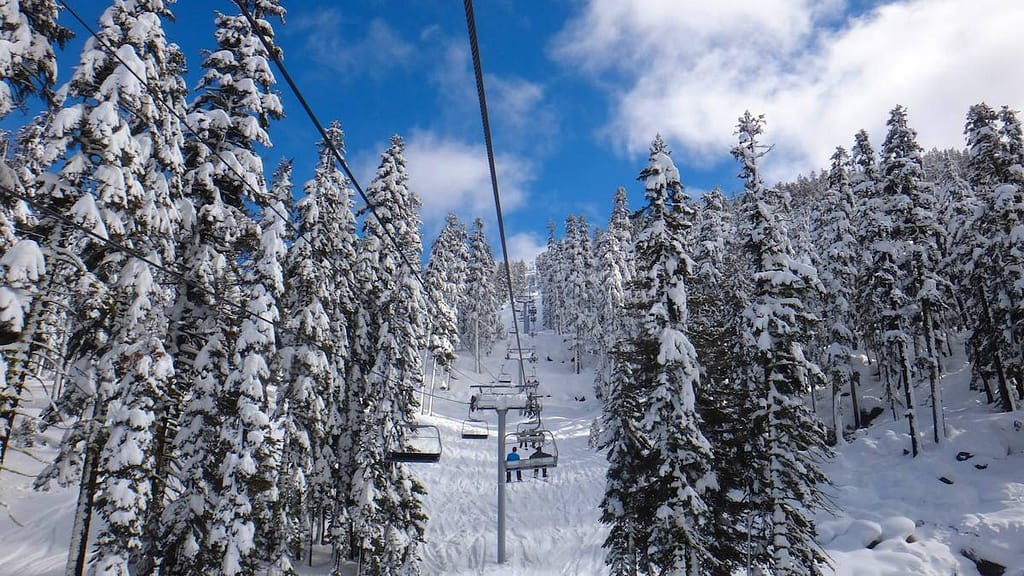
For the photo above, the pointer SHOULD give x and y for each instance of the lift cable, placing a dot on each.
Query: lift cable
(482, 97)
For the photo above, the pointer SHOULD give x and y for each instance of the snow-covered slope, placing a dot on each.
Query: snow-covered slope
(901, 515)
(896, 515)
(552, 526)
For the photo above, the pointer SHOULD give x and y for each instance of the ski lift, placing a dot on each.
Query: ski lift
(475, 429)
(528, 434)
(545, 450)
(421, 444)
(526, 354)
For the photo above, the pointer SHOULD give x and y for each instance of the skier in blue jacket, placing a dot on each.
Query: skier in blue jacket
(513, 456)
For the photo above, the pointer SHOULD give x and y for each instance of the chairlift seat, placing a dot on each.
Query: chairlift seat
(475, 429)
(531, 463)
(422, 444)
(542, 439)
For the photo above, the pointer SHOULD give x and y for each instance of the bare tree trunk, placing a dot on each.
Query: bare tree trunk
(79, 550)
(908, 393)
(855, 398)
(938, 421)
(837, 411)
(1007, 400)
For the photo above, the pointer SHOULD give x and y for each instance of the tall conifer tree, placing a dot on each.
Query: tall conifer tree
(785, 441)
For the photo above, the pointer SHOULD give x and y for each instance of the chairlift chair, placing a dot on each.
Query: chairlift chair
(422, 444)
(475, 428)
(529, 433)
(545, 450)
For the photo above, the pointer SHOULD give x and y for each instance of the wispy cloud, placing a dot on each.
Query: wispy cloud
(689, 68)
(522, 118)
(373, 54)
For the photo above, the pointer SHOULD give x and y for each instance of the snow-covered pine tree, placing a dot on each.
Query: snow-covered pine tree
(320, 298)
(614, 263)
(900, 175)
(714, 293)
(479, 322)
(984, 170)
(1010, 202)
(673, 462)
(260, 375)
(903, 175)
(212, 523)
(875, 230)
(117, 140)
(28, 30)
(785, 441)
(28, 66)
(716, 296)
(287, 528)
(578, 283)
(387, 514)
(624, 507)
(547, 266)
(680, 540)
(445, 277)
(837, 260)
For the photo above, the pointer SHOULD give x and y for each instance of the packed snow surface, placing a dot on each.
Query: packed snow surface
(896, 515)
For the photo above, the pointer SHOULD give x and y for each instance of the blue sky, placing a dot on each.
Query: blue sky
(578, 88)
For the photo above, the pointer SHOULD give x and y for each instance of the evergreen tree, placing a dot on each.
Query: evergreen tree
(579, 309)
(28, 30)
(875, 229)
(625, 507)
(118, 141)
(784, 439)
(901, 177)
(716, 298)
(547, 267)
(320, 299)
(838, 265)
(674, 464)
(903, 169)
(388, 515)
(1010, 201)
(615, 271)
(225, 440)
(714, 293)
(444, 277)
(479, 323)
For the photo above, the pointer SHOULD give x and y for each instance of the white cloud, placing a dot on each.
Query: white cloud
(452, 176)
(690, 68)
(525, 246)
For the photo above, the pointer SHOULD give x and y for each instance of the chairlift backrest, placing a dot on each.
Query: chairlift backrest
(422, 444)
(475, 429)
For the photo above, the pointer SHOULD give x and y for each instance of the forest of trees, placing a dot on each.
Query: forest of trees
(232, 359)
(232, 369)
(710, 322)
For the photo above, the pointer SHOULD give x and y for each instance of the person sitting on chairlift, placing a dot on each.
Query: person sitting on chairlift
(513, 456)
(540, 453)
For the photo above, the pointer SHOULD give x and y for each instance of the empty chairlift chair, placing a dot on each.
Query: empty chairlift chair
(475, 428)
(421, 444)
